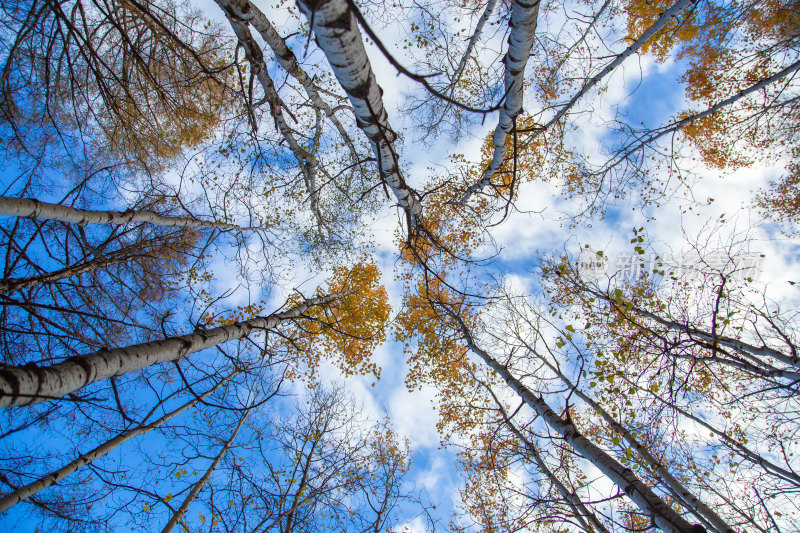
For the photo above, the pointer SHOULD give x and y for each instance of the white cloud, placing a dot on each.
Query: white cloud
(414, 416)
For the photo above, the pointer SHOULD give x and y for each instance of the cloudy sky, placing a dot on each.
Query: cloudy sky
(716, 209)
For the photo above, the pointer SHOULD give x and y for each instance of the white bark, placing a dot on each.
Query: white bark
(54, 477)
(35, 209)
(22, 385)
(501, 132)
(524, 16)
(248, 12)
(307, 162)
(337, 34)
(639, 493)
(676, 126)
(662, 21)
(582, 513)
(644, 498)
(178, 515)
(702, 510)
(748, 351)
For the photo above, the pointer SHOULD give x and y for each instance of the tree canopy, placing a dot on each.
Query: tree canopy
(249, 250)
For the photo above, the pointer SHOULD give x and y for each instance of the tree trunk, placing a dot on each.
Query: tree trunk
(641, 142)
(35, 209)
(54, 477)
(247, 12)
(662, 21)
(306, 161)
(22, 385)
(582, 513)
(104, 261)
(337, 34)
(524, 17)
(702, 510)
(173, 521)
(649, 502)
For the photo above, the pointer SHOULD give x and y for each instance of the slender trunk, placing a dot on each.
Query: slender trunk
(631, 148)
(524, 17)
(700, 509)
(247, 12)
(747, 350)
(472, 40)
(649, 502)
(54, 477)
(582, 513)
(97, 263)
(337, 34)
(22, 385)
(178, 516)
(306, 161)
(662, 21)
(35, 209)
(742, 450)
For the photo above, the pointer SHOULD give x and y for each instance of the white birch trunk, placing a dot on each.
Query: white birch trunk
(337, 34)
(639, 493)
(54, 477)
(702, 510)
(631, 148)
(249, 13)
(307, 162)
(506, 118)
(195, 490)
(35, 209)
(524, 16)
(582, 513)
(662, 21)
(746, 350)
(23, 385)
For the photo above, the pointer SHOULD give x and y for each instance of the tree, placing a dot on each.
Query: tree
(167, 176)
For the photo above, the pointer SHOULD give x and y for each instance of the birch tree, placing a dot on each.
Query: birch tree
(150, 149)
(35, 209)
(54, 477)
(27, 384)
(336, 32)
(159, 81)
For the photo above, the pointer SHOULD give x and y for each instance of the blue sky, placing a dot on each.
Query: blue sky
(641, 91)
